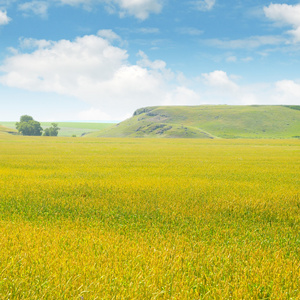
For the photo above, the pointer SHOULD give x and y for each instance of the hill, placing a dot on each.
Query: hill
(6, 130)
(209, 121)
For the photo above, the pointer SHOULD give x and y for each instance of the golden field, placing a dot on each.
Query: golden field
(149, 219)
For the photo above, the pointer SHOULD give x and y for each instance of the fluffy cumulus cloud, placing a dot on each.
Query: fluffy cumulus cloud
(285, 14)
(92, 69)
(4, 19)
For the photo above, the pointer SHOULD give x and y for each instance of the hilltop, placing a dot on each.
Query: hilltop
(209, 121)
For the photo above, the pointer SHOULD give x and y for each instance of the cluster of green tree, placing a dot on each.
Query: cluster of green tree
(28, 126)
(51, 131)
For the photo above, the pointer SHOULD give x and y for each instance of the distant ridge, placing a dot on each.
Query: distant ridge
(209, 121)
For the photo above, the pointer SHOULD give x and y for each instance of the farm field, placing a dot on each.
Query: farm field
(68, 129)
(149, 219)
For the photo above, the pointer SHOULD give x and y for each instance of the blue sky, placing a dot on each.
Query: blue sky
(102, 59)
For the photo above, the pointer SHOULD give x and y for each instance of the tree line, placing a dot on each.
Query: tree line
(28, 126)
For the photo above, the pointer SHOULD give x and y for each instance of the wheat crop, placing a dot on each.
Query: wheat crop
(149, 219)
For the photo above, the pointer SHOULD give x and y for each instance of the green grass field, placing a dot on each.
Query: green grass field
(68, 129)
(149, 219)
(209, 121)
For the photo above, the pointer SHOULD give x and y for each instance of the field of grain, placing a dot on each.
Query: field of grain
(149, 219)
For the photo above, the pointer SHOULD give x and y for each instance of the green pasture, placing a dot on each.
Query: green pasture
(68, 129)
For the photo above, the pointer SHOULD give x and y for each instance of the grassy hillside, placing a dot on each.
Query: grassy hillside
(214, 121)
(6, 130)
(69, 128)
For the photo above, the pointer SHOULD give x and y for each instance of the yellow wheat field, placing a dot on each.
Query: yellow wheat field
(149, 219)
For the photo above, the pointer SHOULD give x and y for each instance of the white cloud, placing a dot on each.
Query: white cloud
(204, 5)
(282, 14)
(289, 91)
(220, 80)
(231, 59)
(138, 8)
(93, 114)
(248, 43)
(33, 43)
(247, 59)
(147, 30)
(108, 34)
(218, 87)
(190, 31)
(6, 3)
(157, 67)
(4, 19)
(285, 14)
(182, 95)
(87, 4)
(56, 66)
(39, 8)
(91, 69)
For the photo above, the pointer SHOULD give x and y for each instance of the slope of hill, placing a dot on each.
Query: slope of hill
(6, 130)
(209, 121)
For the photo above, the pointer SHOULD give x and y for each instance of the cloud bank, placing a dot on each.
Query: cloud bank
(92, 69)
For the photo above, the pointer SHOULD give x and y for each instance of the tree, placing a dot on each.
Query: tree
(51, 131)
(28, 126)
(26, 118)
